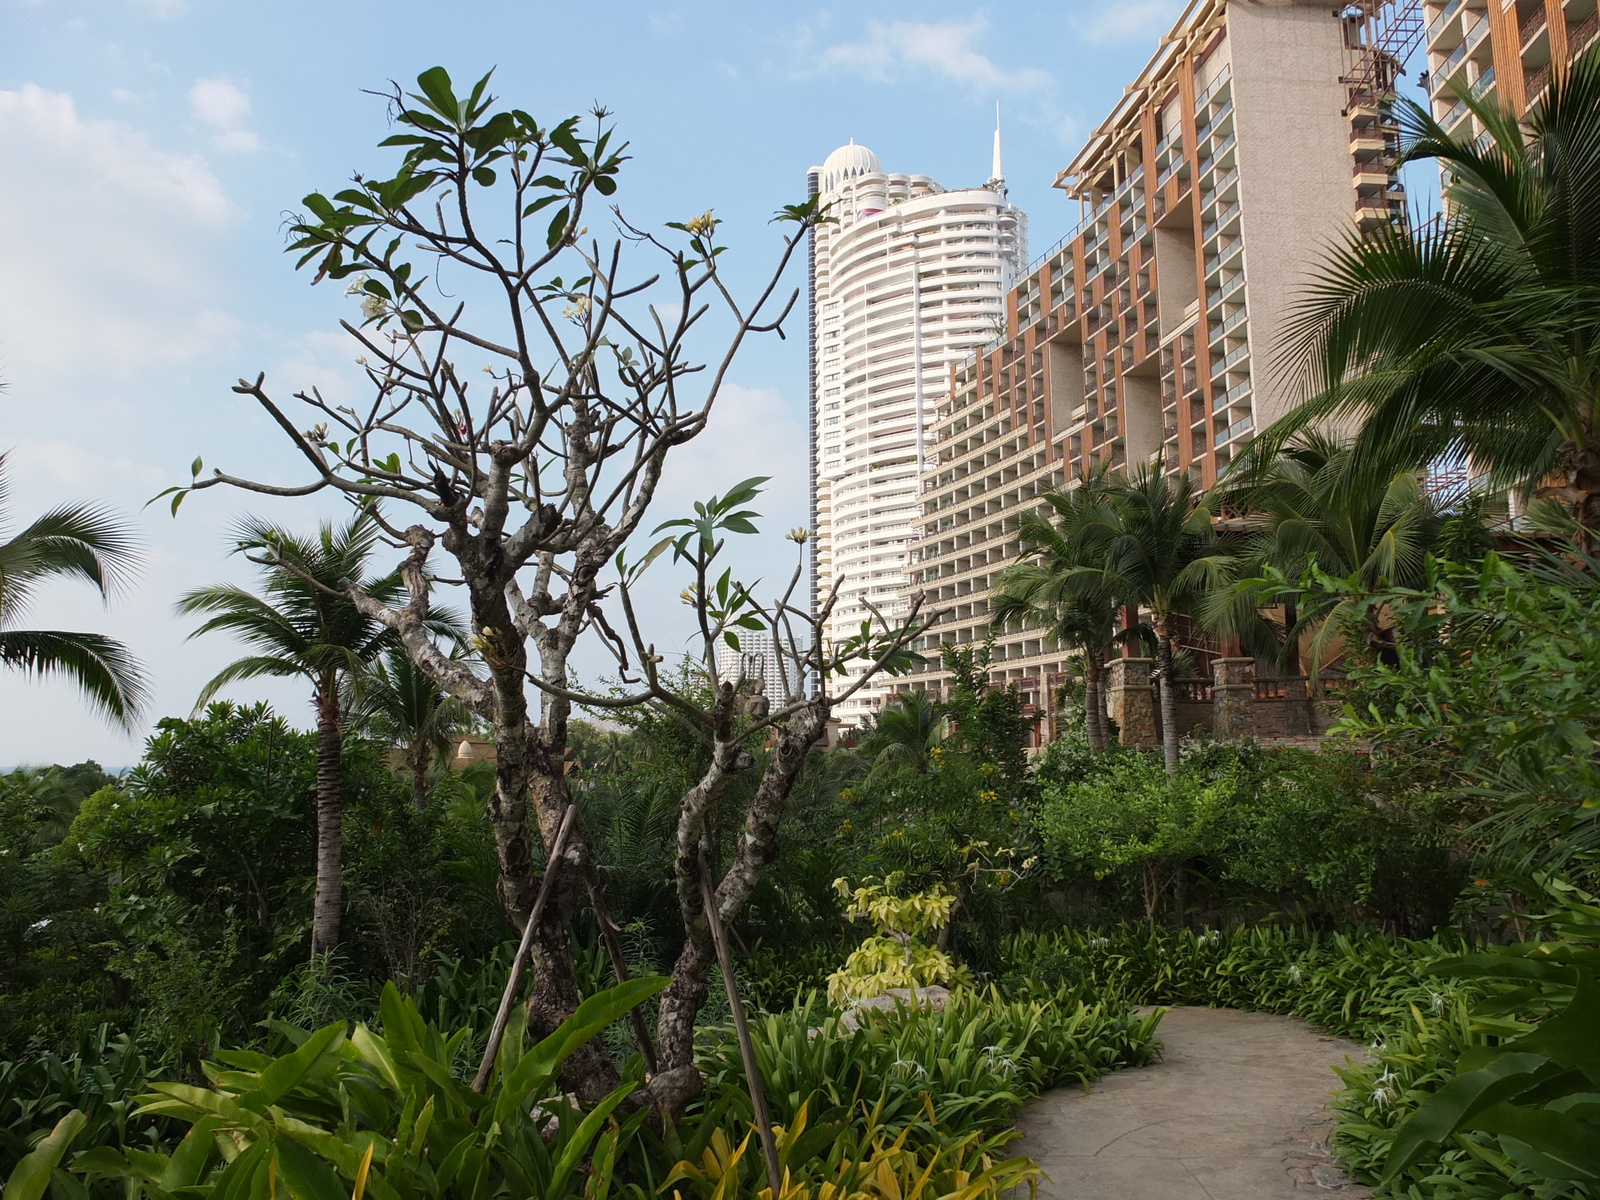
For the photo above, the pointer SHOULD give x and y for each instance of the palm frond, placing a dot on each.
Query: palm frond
(108, 675)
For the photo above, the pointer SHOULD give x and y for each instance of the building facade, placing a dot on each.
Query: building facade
(1153, 329)
(1502, 51)
(907, 280)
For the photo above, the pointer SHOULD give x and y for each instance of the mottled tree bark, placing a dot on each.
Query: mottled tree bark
(678, 1081)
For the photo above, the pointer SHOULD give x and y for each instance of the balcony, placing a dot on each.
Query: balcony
(1369, 174)
(1579, 38)
(1475, 35)
(1436, 27)
(1484, 83)
(1531, 28)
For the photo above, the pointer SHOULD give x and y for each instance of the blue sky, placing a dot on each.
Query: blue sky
(149, 150)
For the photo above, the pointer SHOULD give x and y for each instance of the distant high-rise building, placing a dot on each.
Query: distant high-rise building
(1260, 133)
(908, 280)
(758, 658)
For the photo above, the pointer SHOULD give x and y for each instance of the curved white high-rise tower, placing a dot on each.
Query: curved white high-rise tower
(911, 279)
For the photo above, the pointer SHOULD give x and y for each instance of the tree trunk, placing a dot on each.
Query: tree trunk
(1094, 711)
(1169, 706)
(419, 777)
(528, 770)
(678, 1081)
(325, 909)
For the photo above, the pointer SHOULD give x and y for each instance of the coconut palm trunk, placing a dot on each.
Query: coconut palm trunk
(329, 896)
(420, 760)
(1164, 693)
(1094, 709)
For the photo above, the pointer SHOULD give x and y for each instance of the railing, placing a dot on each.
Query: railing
(1438, 22)
(1368, 167)
(1537, 82)
(1221, 148)
(1224, 252)
(1194, 690)
(1216, 85)
(1485, 82)
(1474, 36)
(1530, 28)
(1579, 39)
(1232, 395)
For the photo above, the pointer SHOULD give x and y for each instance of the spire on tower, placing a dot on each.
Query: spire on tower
(998, 177)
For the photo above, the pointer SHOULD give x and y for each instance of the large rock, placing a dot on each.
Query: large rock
(932, 998)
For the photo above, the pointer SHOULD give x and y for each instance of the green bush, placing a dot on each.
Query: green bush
(977, 1061)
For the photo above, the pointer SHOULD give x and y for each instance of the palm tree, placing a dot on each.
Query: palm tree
(1059, 584)
(1477, 334)
(1298, 508)
(72, 541)
(398, 703)
(302, 625)
(1162, 553)
(906, 732)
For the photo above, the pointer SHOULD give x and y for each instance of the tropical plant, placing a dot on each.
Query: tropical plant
(73, 541)
(1489, 707)
(899, 956)
(352, 1111)
(1059, 583)
(395, 701)
(904, 735)
(977, 1060)
(865, 1164)
(1534, 1081)
(1298, 508)
(1163, 554)
(303, 626)
(528, 482)
(1476, 335)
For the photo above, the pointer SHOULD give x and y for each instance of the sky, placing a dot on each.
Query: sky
(151, 149)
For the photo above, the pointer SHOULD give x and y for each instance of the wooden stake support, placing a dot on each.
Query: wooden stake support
(519, 965)
(741, 1027)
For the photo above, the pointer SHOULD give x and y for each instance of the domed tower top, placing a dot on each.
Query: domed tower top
(846, 163)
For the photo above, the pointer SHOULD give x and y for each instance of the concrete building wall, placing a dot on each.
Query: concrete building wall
(1295, 169)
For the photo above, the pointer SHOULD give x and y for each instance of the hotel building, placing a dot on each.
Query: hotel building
(906, 281)
(1258, 134)
(1499, 50)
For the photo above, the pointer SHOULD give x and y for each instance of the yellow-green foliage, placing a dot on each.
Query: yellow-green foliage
(896, 958)
(871, 1166)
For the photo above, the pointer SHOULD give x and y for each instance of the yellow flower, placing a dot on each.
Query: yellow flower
(987, 797)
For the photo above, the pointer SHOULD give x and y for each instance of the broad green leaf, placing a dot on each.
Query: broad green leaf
(1454, 1105)
(288, 1072)
(540, 1064)
(1561, 1146)
(436, 86)
(31, 1176)
(307, 1176)
(578, 1144)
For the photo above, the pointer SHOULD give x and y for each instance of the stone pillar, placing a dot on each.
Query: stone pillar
(1133, 702)
(1232, 695)
(1296, 708)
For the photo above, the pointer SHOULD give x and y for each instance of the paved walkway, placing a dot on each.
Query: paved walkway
(1235, 1110)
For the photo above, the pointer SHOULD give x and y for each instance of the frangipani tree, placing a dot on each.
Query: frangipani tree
(523, 478)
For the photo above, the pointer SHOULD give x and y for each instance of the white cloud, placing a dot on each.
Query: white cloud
(110, 265)
(894, 48)
(1129, 21)
(226, 108)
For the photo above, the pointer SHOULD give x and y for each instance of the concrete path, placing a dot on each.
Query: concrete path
(1236, 1109)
